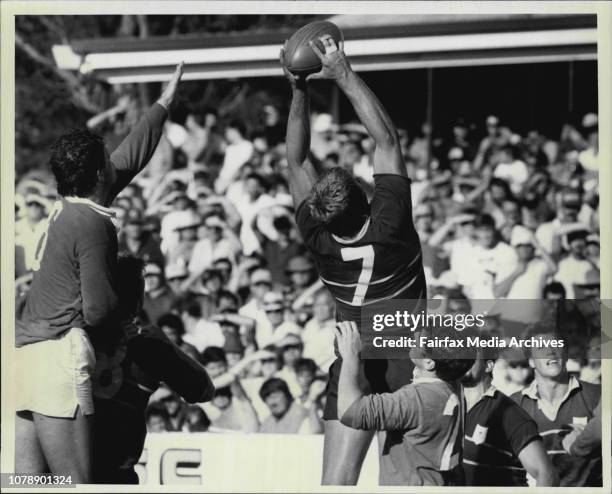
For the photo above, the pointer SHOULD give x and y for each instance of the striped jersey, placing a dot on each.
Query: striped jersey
(496, 431)
(383, 261)
(554, 422)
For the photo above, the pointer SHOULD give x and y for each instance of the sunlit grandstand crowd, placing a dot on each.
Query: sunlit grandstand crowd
(499, 215)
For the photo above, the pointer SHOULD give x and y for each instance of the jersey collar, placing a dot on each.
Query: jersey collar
(96, 207)
(356, 238)
(550, 409)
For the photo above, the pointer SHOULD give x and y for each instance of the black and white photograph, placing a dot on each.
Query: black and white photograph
(306, 245)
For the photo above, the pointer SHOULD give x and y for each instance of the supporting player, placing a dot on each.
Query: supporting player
(364, 252)
(73, 295)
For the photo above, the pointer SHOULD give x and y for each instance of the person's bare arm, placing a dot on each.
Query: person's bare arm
(302, 174)
(387, 153)
(349, 345)
(534, 459)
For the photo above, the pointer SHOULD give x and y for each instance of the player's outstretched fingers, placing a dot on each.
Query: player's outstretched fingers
(316, 50)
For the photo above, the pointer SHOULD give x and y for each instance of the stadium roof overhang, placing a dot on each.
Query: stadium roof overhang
(373, 42)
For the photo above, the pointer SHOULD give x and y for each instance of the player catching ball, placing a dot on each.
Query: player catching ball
(364, 252)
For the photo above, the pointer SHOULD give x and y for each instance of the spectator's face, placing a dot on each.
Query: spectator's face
(465, 229)
(485, 237)
(152, 282)
(188, 234)
(276, 316)
(156, 423)
(269, 367)
(172, 405)
(291, 354)
(233, 358)
(552, 295)
(222, 401)
(133, 230)
(35, 212)
(271, 115)
(525, 252)
(215, 369)
(305, 378)
(172, 334)
(460, 132)
(592, 250)
(180, 203)
(323, 307)
(512, 212)
(253, 188)
(498, 193)
(424, 222)
(175, 284)
(213, 284)
(350, 153)
(260, 288)
(578, 247)
(519, 373)
(225, 268)
(548, 362)
(278, 403)
(227, 304)
(300, 279)
(569, 214)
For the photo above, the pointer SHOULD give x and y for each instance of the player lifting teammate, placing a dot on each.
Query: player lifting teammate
(364, 252)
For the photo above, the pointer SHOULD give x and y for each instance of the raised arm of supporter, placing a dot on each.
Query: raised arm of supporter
(307, 295)
(97, 262)
(133, 154)
(102, 117)
(231, 375)
(443, 231)
(311, 424)
(501, 289)
(237, 319)
(551, 265)
(233, 217)
(387, 153)
(246, 412)
(475, 194)
(302, 173)
(536, 461)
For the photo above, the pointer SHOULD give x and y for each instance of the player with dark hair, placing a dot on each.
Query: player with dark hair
(74, 294)
(128, 371)
(364, 252)
(421, 423)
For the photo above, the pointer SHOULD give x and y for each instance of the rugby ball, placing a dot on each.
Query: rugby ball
(299, 56)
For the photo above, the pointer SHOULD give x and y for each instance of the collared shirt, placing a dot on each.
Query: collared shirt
(496, 431)
(556, 420)
(423, 431)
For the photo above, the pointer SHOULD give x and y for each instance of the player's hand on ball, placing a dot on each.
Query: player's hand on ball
(335, 64)
(295, 81)
(167, 96)
(349, 340)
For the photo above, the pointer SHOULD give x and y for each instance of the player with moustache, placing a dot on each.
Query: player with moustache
(365, 252)
(74, 295)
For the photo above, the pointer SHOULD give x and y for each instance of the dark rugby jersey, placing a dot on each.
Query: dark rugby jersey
(383, 261)
(576, 408)
(496, 431)
(76, 256)
(127, 372)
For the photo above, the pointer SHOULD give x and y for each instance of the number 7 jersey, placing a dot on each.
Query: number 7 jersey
(381, 262)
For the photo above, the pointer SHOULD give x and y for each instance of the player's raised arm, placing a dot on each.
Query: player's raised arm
(136, 150)
(302, 174)
(387, 154)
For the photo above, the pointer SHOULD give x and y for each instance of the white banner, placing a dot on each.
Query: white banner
(239, 462)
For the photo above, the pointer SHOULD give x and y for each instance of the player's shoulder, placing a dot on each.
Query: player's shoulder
(591, 392)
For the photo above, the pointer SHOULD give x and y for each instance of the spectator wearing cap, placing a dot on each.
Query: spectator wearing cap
(186, 226)
(29, 228)
(491, 262)
(319, 333)
(238, 150)
(158, 298)
(219, 241)
(574, 267)
(275, 326)
(138, 242)
(569, 204)
(249, 205)
(287, 416)
(301, 272)
(280, 244)
(175, 277)
(531, 273)
(260, 283)
(290, 349)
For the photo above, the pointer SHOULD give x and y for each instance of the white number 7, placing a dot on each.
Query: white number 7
(367, 254)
